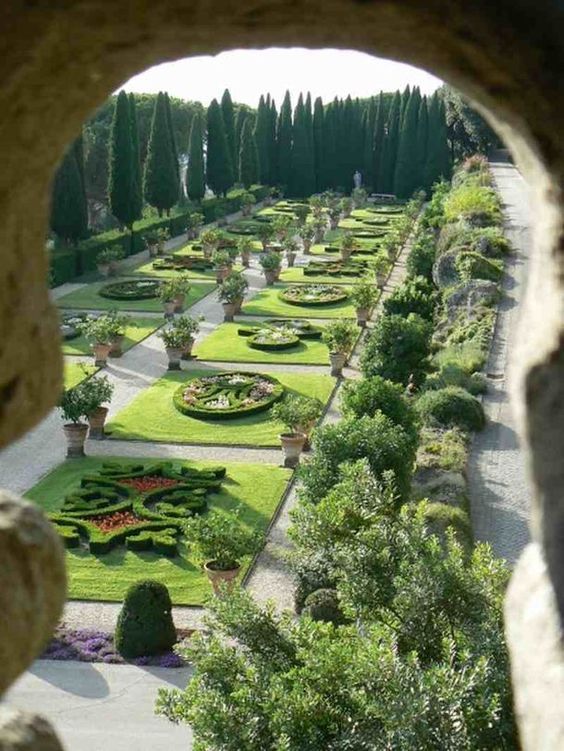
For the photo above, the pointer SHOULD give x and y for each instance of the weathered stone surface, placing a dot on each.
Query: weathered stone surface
(444, 269)
(440, 486)
(22, 731)
(534, 635)
(32, 585)
(469, 296)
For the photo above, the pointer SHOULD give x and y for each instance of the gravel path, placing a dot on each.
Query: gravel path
(499, 492)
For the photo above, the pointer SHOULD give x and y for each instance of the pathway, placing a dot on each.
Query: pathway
(499, 492)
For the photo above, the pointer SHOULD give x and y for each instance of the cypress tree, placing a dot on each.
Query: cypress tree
(437, 164)
(161, 171)
(284, 142)
(405, 96)
(378, 144)
(328, 163)
(367, 151)
(121, 169)
(308, 118)
(137, 182)
(239, 122)
(218, 164)
(172, 136)
(318, 147)
(422, 138)
(272, 152)
(69, 213)
(248, 157)
(346, 144)
(229, 123)
(406, 163)
(262, 127)
(195, 180)
(391, 145)
(303, 173)
(446, 158)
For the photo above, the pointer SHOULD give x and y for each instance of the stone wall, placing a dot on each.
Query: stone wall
(59, 60)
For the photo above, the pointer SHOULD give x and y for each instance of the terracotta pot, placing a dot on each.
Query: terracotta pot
(290, 257)
(174, 354)
(116, 345)
(101, 353)
(306, 246)
(246, 260)
(238, 304)
(228, 311)
(381, 280)
(104, 269)
(169, 308)
(221, 579)
(75, 434)
(179, 301)
(207, 250)
(306, 430)
(345, 255)
(277, 274)
(187, 351)
(270, 276)
(338, 360)
(292, 446)
(362, 315)
(153, 251)
(160, 247)
(96, 422)
(221, 273)
(114, 267)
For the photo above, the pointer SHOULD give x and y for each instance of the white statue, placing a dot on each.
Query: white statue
(357, 179)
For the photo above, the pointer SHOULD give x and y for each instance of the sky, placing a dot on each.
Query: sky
(249, 73)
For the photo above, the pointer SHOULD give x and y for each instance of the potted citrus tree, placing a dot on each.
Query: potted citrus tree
(381, 265)
(182, 287)
(245, 248)
(231, 293)
(222, 263)
(340, 337)
(221, 542)
(195, 221)
(100, 332)
(347, 245)
(167, 295)
(162, 236)
(265, 234)
(119, 323)
(320, 228)
(176, 340)
(270, 263)
(190, 327)
(210, 239)
(316, 206)
(298, 414)
(306, 234)
(247, 202)
(97, 391)
(74, 405)
(281, 226)
(346, 206)
(152, 243)
(107, 261)
(301, 213)
(334, 217)
(291, 248)
(363, 297)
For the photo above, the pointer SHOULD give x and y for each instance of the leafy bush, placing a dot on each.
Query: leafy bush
(221, 539)
(469, 356)
(397, 348)
(297, 412)
(415, 295)
(442, 516)
(451, 407)
(144, 626)
(442, 449)
(469, 201)
(471, 265)
(422, 256)
(340, 336)
(368, 396)
(451, 374)
(385, 445)
(323, 605)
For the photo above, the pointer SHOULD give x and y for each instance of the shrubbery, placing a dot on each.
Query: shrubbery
(416, 295)
(422, 256)
(144, 626)
(323, 605)
(471, 265)
(472, 202)
(450, 407)
(397, 348)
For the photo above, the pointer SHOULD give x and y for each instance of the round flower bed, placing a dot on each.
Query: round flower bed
(313, 294)
(142, 289)
(227, 395)
(181, 263)
(303, 329)
(273, 340)
(337, 268)
(69, 325)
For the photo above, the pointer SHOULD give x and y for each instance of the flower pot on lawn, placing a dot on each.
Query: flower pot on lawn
(116, 346)
(96, 422)
(338, 360)
(345, 254)
(101, 353)
(221, 273)
(290, 257)
(104, 269)
(228, 311)
(174, 354)
(381, 280)
(75, 434)
(292, 446)
(238, 304)
(306, 431)
(169, 308)
(153, 250)
(362, 315)
(219, 578)
(179, 301)
(246, 259)
(270, 276)
(187, 351)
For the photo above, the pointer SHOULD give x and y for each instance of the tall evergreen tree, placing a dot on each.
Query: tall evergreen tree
(378, 144)
(303, 172)
(437, 164)
(229, 123)
(446, 159)
(137, 181)
(405, 96)
(329, 160)
(172, 136)
(161, 170)
(69, 213)
(195, 178)
(346, 144)
(422, 139)
(367, 161)
(240, 118)
(318, 129)
(121, 173)
(262, 128)
(284, 142)
(391, 145)
(248, 157)
(405, 175)
(272, 146)
(218, 164)
(308, 118)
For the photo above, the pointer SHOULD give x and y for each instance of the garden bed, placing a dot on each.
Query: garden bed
(138, 330)
(313, 294)
(269, 303)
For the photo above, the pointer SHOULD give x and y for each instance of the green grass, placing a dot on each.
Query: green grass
(255, 488)
(139, 329)
(268, 303)
(296, 275)
(88, 298)
(152, 416)
(225, 345)
(75, 372)
(145, 268)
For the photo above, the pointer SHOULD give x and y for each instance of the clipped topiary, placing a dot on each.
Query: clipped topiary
(145, 626)
(449, 408)
(323, 605)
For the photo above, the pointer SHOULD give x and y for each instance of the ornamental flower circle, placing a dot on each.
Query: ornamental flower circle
(313, 294)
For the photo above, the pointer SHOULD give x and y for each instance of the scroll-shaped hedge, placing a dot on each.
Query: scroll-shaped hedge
(132, 289)
(313, 294)
(227, 395)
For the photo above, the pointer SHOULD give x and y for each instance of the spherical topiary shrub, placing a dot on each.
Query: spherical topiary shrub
(323, 605)
(144, 626)
(452, 407)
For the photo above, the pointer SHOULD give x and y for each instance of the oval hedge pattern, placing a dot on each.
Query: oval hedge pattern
(272, 340)
(313, 294)
(141, 289)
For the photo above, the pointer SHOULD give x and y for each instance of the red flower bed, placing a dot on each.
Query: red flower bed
(149, 482)
(117, 520)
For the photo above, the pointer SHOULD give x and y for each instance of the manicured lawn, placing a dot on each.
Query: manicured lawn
(139, 329)
(268, 303)
(255, 488)
(146, 269)
(75, 372)
(88, 298)
(225, 345)
(296, 275)
(152, 416)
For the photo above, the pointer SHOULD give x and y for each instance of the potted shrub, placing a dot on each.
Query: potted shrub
(306, 234)
(316, 206)
(176, 340)
(210, 239)
(247, 202)
(320, 228)
(334, 217)
(107, 261)
(221, 542)
(182, 286)
(96, 391)
(100, 332)
(118, 324)
(231, 293)
(270, 263)
(291, 248)
(195, 221)
(167, 295)
(281, 226)
(152, 243)
(265, 234)
(390, 245)
(190, 327)
(162, 236)
(245, 248)
(363, 297)
(340, 337)
(222, 263)
(302, 213)
(381, 266)
(74, 405)
(347, 245)
(298, 414)
(346, 206)
(359, 198)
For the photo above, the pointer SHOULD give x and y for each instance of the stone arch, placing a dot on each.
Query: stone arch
(59, 60)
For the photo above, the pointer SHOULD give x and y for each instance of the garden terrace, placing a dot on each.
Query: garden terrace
(313, 294)
(268, 302)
